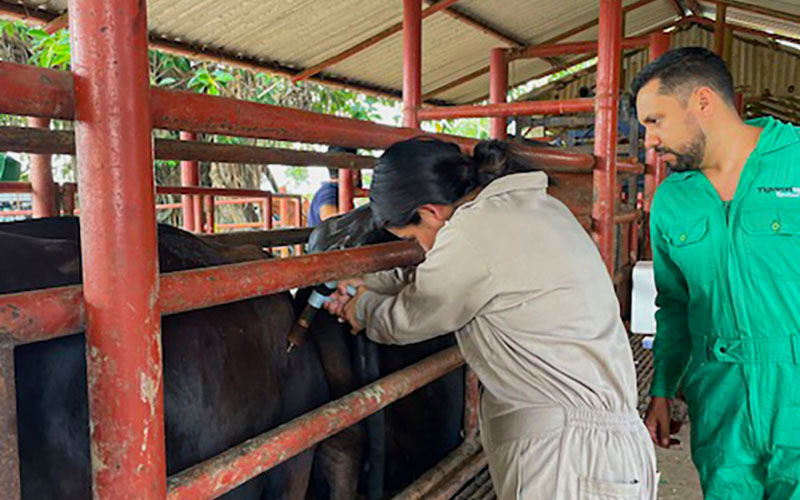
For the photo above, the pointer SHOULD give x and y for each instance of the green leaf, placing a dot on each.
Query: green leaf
(8, 28)
(167, 81)
(183, 64)
(38, 33)
(222, 76)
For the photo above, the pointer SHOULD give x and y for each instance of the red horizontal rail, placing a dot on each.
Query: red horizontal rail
(16, 187)
(627, 217)
(54, 312)
(561, 49)
(32, 91)
(360, 193)
(630, 167)
(15, 213)
(237, 465)
(558, 107)
(240, 225)
(212, 191)
(239, 201)
(168, 206)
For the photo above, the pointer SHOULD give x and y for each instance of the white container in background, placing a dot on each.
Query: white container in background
(643, 301)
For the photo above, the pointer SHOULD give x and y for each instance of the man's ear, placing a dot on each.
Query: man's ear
(703, 100)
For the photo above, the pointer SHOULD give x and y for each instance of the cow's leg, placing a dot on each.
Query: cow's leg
(339, 458)
(289, 481)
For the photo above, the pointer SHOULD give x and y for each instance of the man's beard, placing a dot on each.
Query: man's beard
(691, 158)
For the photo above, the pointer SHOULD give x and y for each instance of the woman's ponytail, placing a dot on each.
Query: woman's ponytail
(493, 159)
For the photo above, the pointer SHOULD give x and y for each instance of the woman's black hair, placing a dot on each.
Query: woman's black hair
(424, 170)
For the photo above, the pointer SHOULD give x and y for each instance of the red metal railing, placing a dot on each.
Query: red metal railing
(221, 474)
(295, 215)
(44, 314)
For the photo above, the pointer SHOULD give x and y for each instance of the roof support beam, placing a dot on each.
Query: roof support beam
(757, 9)
(43, 19)
(772, 36)
(563, 36)
(369, 42)
(573, 48)
(479, 25)
(678, 7)
(694, 7)
(719, 29)
(484, 28)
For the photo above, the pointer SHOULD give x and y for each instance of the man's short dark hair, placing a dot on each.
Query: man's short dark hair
(334, 172)
(681, 71)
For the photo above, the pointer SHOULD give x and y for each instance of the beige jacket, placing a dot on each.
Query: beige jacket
(517, 278)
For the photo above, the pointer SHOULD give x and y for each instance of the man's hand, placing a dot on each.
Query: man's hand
(657, 422)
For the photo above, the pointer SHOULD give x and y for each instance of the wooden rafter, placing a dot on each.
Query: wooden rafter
(479, 25)
(678, 7)
(369, 42)
(694, 7)
(757, 9)
(493, 32)
(42, 18)
(563, 36)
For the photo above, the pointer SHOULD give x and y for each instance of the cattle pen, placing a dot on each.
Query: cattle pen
(115, 110)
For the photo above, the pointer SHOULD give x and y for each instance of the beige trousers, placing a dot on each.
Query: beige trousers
(563, 454)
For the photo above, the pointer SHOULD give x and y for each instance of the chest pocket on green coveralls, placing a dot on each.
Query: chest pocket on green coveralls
(690, 248)
(772, 241)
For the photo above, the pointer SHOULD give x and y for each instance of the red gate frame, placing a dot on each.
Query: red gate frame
(115, 112)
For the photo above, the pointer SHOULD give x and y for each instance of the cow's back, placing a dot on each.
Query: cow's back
(226, 373)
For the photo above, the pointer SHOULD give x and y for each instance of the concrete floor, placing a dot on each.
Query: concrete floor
(678, 476)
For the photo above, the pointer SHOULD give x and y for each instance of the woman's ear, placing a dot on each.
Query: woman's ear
(434, 214)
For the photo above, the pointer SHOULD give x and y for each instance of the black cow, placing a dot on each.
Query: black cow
(418, 431)
(227, 376)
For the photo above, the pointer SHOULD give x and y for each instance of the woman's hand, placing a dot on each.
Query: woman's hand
(340, 297)
(342, 304)
(349, 312)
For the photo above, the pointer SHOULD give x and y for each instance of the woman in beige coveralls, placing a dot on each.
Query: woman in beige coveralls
(513, 273)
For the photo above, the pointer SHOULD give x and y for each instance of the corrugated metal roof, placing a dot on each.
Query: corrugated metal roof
(760, 21)
(756, 68)
(301, 33)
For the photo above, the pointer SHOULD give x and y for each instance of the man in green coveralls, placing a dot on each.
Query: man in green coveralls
(725, 231)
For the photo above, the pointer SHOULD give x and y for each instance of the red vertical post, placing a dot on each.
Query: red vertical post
(209, 209)
(659, 45)
(283, 211)
(114, 147)
(498, 88)
(68, 197)
(719, 29)
(345, 191)
(190, 176)
(266, 213)
(44, 189)
(297, 221)
(738, 98)
(412, 62)
(296, 215)
(199, 216)
(609, 41)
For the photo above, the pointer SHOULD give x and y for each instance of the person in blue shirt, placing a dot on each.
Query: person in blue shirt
(325, 203)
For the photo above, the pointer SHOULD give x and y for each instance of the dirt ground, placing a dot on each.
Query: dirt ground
(678, 476)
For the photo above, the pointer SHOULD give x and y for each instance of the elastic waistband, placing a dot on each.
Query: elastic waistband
(541, 422)
(600, 418)
(770, 350)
